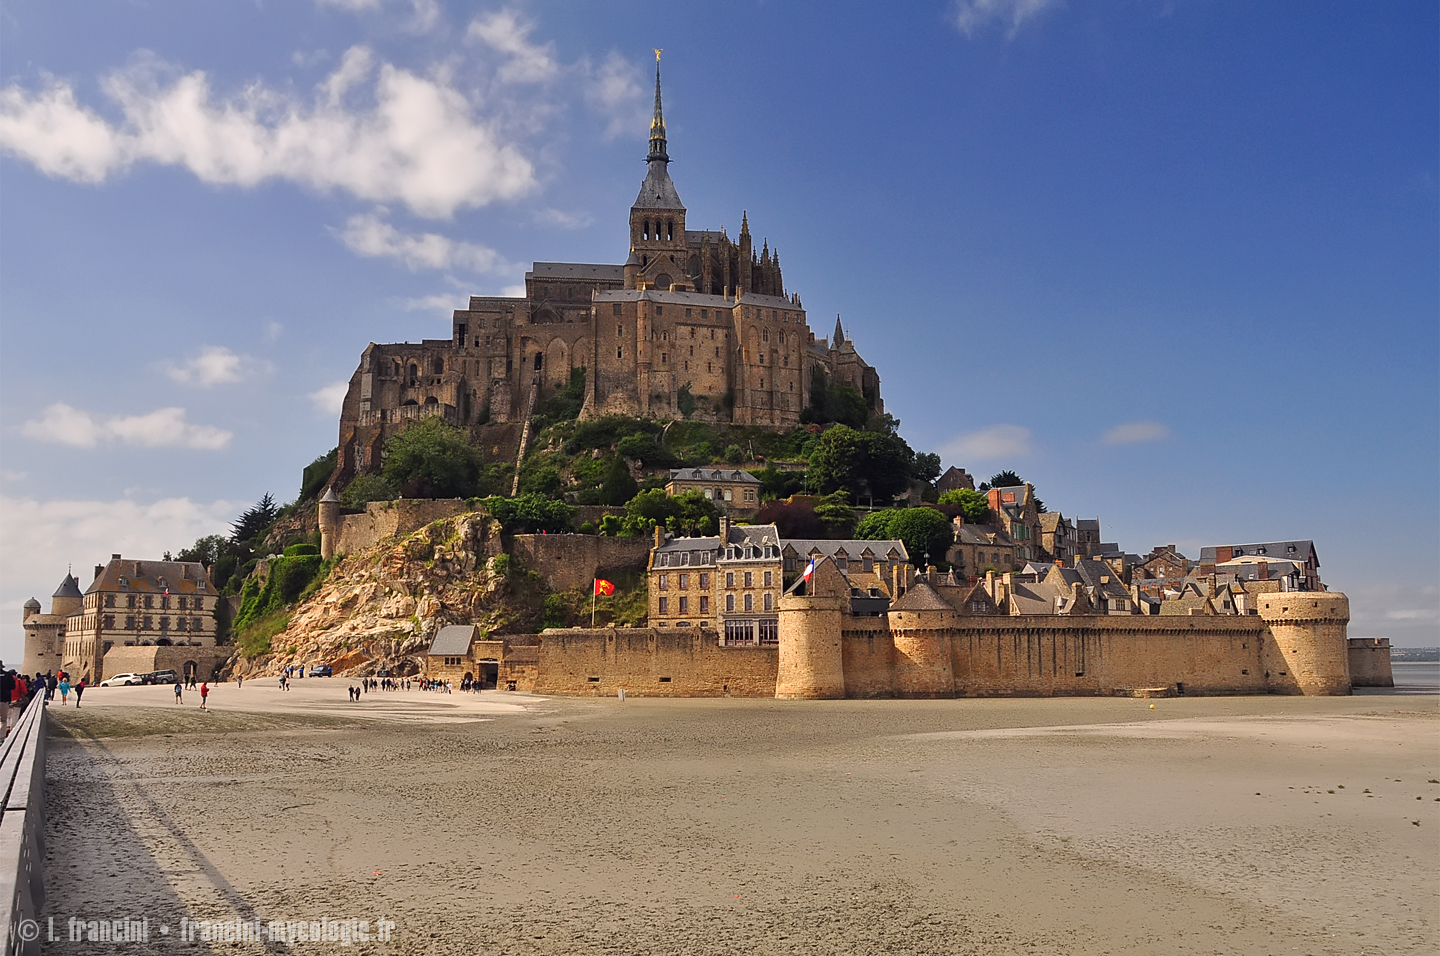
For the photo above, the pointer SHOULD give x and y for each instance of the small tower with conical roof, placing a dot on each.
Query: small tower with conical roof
(811, 615)
(329, 519)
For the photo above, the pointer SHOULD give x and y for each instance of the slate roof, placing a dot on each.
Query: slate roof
(1302, 550)
(921, 597)
(69, 588)
(179, 577)
(711, 544)
(853, 547)
(982, 534)
(1087, 524)
(452, 640)
(658, 190)
(713, 474)
(577, 270)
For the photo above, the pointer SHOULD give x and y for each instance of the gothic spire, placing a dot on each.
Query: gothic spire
(657, 125)
(839, 334)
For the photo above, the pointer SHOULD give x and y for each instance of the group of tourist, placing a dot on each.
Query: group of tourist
(18, 690)
(179, 694)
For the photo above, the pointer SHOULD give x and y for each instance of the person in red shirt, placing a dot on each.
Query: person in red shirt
(204, 692)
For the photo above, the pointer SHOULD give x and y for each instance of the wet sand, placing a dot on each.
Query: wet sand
(515, 824)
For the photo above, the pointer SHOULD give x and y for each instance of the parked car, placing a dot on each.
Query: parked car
(122, 680)
(161, 677)
(320, 670)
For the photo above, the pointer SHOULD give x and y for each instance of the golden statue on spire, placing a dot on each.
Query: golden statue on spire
(657, 54)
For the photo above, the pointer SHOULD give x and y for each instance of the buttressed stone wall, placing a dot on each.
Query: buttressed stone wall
(386, 519)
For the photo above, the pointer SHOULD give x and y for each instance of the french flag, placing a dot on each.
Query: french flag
(809, 570)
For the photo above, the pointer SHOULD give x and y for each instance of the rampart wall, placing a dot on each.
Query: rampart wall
(651, 662)
(386, 519)
(574, 560)
(988, 657)
(1370, 662)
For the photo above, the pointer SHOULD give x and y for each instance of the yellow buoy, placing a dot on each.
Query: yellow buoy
(1152, 706)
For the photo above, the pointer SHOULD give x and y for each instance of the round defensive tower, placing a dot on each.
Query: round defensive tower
(67, 599)
(921, 623)
(811, 667)
(329, 519)
(1310, 654)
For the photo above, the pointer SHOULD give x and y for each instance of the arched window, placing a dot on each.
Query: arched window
(645, 234)
(669, 230)
(539, 360)
(439, 366)
(414, 374)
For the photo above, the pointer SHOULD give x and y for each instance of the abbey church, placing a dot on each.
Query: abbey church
(694, 324)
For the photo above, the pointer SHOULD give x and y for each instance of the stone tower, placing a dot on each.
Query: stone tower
(659, 252)
(329, 518)
(1309, 653)
(921, 623)
(810, 660)
(45, 633)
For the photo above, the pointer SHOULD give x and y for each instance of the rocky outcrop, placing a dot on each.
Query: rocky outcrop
(382, 606)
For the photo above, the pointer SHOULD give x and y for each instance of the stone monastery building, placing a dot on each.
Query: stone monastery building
(693, 324)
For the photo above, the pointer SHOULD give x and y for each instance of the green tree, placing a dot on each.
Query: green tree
(973, 504)
(618, 485)
(254, 521)
(835, 403)
(530, 514)
(775, 484)
(313, 478)
(432, 459)
(835, 513)
(688, 513)
(365, 489)
(860, 463)
(645, 449)
(923, 530)
(1002, 479)
(927, 466)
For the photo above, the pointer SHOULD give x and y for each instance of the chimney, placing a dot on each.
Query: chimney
(1263, 570)
(99, 570)
(724, 530)
(990, 583)
(993, 496)
(659, 535)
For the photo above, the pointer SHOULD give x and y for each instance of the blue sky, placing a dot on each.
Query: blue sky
(1174, 262)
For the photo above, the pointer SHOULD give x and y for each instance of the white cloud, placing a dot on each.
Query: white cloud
(418, 142)
(1136, 432)
(971, 15)
(215, 365)
(615, 90)
(565, 220)
(1414, 614)
(369, 235)
(330, 398)
(505, 32)
(43, 537)
(162, 428)
(441, 302)
(994, 441)
(513, 291)
(272, 331)
(426, 12)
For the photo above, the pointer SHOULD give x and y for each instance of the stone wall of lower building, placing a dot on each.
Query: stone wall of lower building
(1370, 662)
(142, 660)
(575, 560)
(651, 662)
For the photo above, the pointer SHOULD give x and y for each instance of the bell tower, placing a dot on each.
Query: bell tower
(658, 250)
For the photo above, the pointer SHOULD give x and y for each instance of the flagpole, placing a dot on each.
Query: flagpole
(593, 589)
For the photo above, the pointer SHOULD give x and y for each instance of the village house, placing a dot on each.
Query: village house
(1057, 536)
(733, 491)
(954, 479)
(1018, 514)
(1087, 536)
(978, 548)
(1232, 558)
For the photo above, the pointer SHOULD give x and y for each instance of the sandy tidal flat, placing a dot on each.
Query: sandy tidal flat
(513, 824)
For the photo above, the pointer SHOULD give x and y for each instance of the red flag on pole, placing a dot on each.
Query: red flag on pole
(604, 587)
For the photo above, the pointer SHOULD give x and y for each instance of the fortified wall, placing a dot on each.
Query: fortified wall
(574, 560)
(381, 520)
(1370, 662)
(923, 647)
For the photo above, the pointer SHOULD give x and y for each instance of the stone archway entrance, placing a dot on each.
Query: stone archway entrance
(489, 673)
(192, 671)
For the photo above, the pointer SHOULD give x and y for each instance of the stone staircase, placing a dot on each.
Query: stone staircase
(524, 438)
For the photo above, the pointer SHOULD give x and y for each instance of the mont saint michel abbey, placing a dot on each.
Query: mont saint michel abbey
(694, 324)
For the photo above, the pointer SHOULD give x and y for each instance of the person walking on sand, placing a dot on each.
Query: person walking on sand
(204, 693)
(239, 682)
(79, 689)
(64, 692)
(178, 691)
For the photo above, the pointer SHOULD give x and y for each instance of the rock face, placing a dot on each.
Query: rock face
(382, 606)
